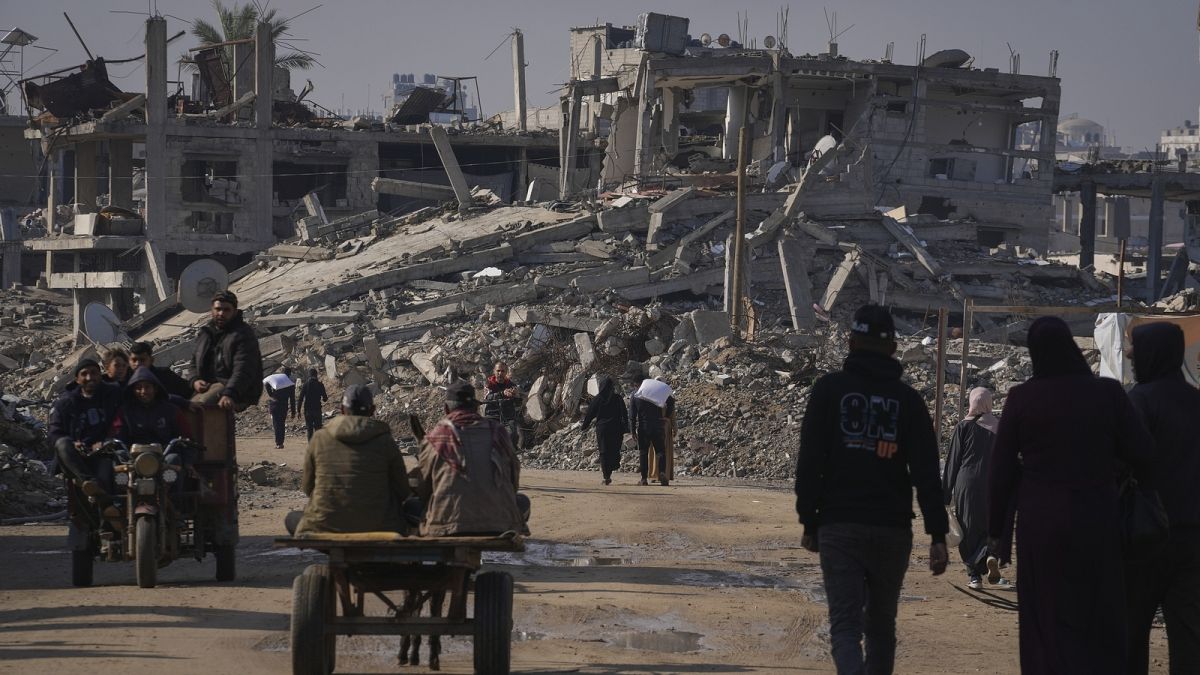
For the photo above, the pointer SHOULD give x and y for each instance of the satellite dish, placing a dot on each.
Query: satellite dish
(199, 282)
(100, 324)
(705, 39)
(769, 42)
(723, 39)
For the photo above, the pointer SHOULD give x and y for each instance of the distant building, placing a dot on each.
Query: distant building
(1082, 140)
(1180, 141)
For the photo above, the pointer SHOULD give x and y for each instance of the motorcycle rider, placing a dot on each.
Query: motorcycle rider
(79, 424)
(500, 402)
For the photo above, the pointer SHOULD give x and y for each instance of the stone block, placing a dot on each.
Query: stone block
(535, 408)
(331, 367)
(654, 347)
(587, 354)
(710, 326)
(425, 365)
(374, 354)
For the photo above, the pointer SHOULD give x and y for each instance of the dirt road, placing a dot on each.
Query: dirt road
(703, 576)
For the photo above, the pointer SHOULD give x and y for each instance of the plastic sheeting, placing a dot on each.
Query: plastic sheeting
(1112, 339)
(654, 391)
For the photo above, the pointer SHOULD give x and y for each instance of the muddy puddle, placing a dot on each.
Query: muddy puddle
(669, 641)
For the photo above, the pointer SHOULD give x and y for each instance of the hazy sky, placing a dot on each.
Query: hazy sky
(1131, 66)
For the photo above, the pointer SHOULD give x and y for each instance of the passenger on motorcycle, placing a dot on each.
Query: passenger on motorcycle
(79, 423)
(148, 414)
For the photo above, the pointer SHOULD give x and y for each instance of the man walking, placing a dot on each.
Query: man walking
(281, 400)
(648, 420)
(865, 442)
(312, 395)
(1171, 577)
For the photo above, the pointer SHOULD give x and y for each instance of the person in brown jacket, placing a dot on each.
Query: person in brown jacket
(354, 473)
(469, 472)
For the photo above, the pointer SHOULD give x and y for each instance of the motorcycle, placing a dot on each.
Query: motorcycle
(506, 411)
(168, 509)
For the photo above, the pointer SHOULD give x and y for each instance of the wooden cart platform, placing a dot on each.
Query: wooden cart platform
(375, 563)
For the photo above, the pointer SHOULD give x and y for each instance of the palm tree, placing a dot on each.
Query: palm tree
(238, 22)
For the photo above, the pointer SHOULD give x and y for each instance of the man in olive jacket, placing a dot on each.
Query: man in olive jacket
(354, 473)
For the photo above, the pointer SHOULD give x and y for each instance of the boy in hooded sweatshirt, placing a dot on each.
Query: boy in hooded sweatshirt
(148, 414)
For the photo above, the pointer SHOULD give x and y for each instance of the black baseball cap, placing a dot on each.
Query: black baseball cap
(874, 321)
(460, 391)
(358, 399)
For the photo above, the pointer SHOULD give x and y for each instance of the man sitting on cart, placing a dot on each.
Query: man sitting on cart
(354, 473)
(469, 473)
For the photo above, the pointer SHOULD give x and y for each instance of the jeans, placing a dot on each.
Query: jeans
(311, 424)
(1171, 579)
(657, 438)
(864, 568)
(279, 421)
(80, 468)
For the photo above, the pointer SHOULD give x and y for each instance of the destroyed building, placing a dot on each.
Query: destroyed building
(940, 138)
(155, 182)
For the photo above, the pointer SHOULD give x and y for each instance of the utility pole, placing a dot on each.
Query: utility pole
(518, 59)
(737, 304)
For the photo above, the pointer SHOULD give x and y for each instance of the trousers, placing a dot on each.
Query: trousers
(647, 438)
(1172, 580)
(863, 567)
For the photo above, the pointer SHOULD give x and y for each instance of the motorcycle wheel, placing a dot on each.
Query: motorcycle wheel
(146, 553)
(81, 568)
(226, 562)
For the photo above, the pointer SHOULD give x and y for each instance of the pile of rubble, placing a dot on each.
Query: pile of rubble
(26, 486)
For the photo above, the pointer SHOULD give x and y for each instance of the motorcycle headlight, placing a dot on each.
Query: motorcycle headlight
(122, 479)
(169, 475)
(147, 464)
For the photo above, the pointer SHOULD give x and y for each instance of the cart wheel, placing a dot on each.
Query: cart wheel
(81, 567)
(146, 553)
(493, 622)
(313, 652)
(226, 562)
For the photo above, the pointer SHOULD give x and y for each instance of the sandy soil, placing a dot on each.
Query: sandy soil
(703, 576)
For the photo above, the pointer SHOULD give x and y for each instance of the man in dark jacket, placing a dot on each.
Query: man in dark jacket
(1171, 577)
(648, 424)
(79, 423)
(281, 400)
(141, 355)
(227, 355)
(866, 440)
(612, 423)
(312, 395)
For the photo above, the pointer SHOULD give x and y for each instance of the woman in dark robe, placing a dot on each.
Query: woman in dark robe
(964, 483)
(1057, 450)
(607, 409)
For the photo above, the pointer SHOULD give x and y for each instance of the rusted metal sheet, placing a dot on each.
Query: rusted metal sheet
(416, 108)
(74, 95)
(212, 74)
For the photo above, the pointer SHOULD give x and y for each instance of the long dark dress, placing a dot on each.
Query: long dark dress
(607, 409)
(965, 485)
(1057, 449)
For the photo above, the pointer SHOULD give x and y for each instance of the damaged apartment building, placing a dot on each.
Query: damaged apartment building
(940, 138)
(153, 182)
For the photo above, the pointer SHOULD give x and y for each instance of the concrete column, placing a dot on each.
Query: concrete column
(244, 72)
(570, 149)
(643, 157)
(51, 191)
(1154, 247)
(597, 60)
(522, 174)
(796, 283)
(120, 173)
(10, 235)
(518, 62)
(264, 67)
(441, 143)
(86, 154)
(779, 114)
(729, 268)
(791, 146)
(735, 118)
(1087, 225)
(1068, 213)
(156, 128)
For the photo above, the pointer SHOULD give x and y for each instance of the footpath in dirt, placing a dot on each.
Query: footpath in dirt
(703, 576)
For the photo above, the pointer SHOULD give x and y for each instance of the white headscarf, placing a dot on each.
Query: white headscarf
(981, 409)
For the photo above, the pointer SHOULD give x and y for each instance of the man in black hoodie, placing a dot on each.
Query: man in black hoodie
(1170, 407)
(227, 354)
(866, 441)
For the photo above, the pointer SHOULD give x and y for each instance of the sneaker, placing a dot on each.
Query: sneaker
(993, 567)
(664, 482)
(1001, 583)
(92, 488)
(643, 482)
(608, 481)
(975, 583)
